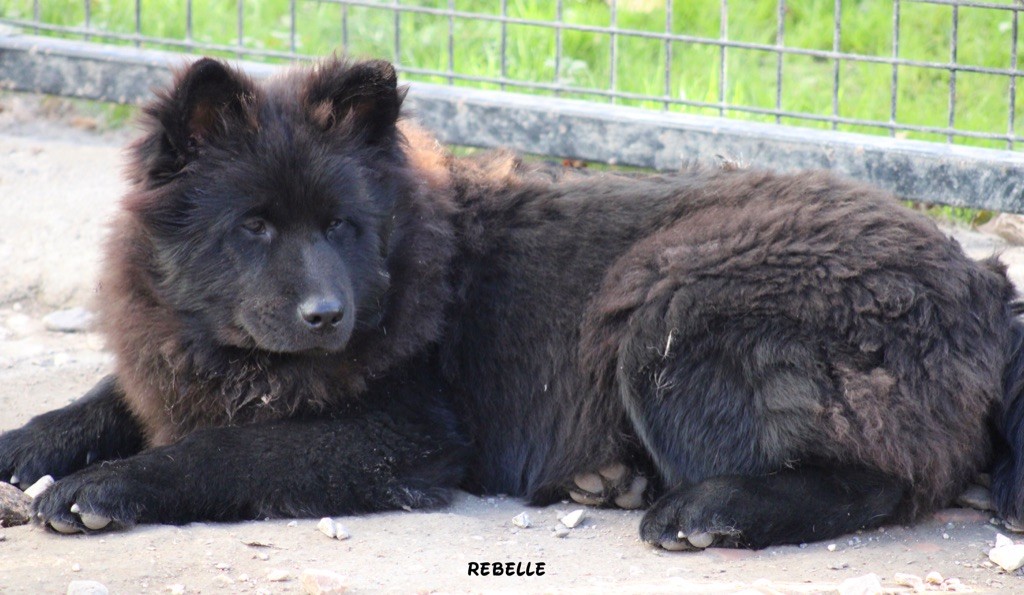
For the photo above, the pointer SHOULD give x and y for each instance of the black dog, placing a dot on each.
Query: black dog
(316, 311)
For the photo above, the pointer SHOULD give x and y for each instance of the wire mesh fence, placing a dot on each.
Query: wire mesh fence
(942, 70)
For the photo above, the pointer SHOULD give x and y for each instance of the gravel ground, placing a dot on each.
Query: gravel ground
(58, 184)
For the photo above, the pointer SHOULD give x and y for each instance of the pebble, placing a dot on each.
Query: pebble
(330, 528)
(521, 520)
(1003, 541)
(869, 584)
(831, 547)
(263, 556)
(278, 575)
(909, 580)
(293, 523)
(573, 518)
(15, 506)
(76, 567)
(87, 588)
(1008, 557)
(977, 497)
(322, 582)
(933, 578)
(561, 532)
(72, 320)
(39, 486)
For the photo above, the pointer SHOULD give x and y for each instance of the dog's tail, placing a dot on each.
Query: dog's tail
(1008, 470)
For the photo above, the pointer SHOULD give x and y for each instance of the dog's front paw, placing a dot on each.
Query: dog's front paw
(95, 499)
(25, 457)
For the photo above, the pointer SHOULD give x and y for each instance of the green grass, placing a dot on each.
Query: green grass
(864, 88)
(984, 39)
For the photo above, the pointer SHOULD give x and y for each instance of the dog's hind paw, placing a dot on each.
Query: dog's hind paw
(613, 485)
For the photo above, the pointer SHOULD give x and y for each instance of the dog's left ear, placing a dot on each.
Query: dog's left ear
(361, 99)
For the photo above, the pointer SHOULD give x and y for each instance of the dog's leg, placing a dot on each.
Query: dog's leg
(791, 506)
(284, 469)
(96, 427)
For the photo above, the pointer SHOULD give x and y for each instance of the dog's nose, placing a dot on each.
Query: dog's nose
(321, 313)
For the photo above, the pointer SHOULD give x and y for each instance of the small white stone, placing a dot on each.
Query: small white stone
(39, 486)
(72, 320)
(831, 547)
(293, 523)
(87, 588)
(573, 518)
(76, 567)
(521, 520)
(323, 582)
(1009, 557)
(909, 580)
(869, 584)
(561, 532)
(278, 575)
(327, 527)
(933, 578)
(1003, 541)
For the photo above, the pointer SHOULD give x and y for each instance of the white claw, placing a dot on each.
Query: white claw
(94, 522)
(75, 509)
(39, 487)
(701, 540)
(62, 527)
(15, 480)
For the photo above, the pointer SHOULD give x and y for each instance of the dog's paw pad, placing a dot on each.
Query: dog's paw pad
(613, 484)
(683, 542)
(91, 520)
(634, 496)
(63, 527)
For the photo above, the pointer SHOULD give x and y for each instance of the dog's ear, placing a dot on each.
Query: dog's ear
(206, 101)
(361, 99)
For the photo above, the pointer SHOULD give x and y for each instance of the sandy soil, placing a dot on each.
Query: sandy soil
(58, 184)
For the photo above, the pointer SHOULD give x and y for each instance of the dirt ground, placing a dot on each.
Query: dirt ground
(59, 181)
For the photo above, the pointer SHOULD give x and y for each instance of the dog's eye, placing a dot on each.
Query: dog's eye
(256, 227)
(341, 228)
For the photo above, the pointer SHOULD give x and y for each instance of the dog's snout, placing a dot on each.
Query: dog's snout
(321, 313)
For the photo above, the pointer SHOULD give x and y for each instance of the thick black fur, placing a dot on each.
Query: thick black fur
(316, 311)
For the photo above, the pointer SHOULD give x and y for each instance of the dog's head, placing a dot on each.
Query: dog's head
(268, 205)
